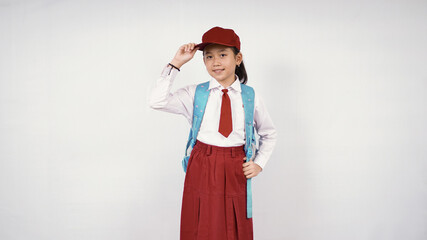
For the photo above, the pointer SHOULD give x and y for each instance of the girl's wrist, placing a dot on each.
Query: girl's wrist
(173, 66)
(176, 63)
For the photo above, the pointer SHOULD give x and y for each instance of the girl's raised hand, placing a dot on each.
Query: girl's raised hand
(184, 54)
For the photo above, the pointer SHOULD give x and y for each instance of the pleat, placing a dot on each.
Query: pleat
(197, 206)
(231, 220)
(244, 225)
(238, 223)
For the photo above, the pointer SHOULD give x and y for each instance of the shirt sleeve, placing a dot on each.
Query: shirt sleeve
(266, 131)
(179, 102)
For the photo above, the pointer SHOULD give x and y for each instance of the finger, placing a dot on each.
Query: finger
(247, 163)
(181, 49)
(254, 174)
(248, 171)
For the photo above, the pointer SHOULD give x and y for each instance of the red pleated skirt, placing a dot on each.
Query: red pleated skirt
(214, 197)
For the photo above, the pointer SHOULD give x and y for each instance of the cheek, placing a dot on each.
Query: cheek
(231, 61)
(231, 64)
(207, 64)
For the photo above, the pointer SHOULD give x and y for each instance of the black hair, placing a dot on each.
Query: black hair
(240, 71)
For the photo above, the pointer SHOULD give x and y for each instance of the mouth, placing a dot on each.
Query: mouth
(218, 70)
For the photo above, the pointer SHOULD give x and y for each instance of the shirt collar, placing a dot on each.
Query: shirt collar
(213, 83)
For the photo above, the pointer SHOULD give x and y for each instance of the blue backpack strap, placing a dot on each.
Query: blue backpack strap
(200, 100)
(248, 97)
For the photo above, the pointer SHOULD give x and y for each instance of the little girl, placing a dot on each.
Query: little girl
(216, 201)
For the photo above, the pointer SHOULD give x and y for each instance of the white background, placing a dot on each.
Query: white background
(83, 157)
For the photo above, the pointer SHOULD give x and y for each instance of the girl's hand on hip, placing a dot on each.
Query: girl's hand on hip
(251, 169)
(184, 54)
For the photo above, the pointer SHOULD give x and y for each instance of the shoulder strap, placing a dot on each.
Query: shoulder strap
(200, 100)
(248, 97)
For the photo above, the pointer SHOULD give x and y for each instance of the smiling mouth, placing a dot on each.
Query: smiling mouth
(218, 71)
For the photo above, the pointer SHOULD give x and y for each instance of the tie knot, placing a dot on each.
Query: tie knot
(224, 90)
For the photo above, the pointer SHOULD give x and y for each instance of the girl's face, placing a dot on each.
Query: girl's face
(221, 63)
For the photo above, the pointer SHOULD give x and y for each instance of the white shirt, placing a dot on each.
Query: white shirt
(181, 102)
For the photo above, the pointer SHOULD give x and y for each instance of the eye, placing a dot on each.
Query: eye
(223, 54)
(208, 56)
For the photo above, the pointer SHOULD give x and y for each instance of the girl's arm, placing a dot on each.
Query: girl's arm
(181, 101)
(266, 130)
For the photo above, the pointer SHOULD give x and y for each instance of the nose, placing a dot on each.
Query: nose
(216, 61)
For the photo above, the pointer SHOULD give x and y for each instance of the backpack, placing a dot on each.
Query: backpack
(200, 100)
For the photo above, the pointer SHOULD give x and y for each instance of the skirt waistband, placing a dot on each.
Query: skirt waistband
(212, 148)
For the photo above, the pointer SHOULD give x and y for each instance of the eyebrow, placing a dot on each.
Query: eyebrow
(222, 50)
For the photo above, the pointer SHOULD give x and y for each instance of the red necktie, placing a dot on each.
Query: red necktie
(225, 122)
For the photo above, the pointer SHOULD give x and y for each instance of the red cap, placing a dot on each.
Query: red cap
(220, 35)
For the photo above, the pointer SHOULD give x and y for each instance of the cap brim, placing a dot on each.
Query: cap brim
(202, 46)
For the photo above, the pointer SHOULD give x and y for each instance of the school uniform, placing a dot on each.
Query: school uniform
(214, 196)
